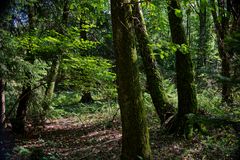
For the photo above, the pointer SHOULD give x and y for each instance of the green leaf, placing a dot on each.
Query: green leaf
(178, 12)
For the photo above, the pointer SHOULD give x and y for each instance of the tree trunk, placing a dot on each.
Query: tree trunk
(53, 72)
(52, 77)
(187, 101)
(19, 123)
(222, 30)
(226, 87)
(188, 39)
(2, 103)
(154, 78)
(135, 135)
(86, 98)
(234, 8)
(202, 45)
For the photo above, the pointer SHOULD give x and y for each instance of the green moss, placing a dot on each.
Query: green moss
(187, 101)
(154, 78)
(135, 136)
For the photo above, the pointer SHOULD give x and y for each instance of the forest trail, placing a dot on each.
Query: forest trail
(67, 138)
(72, 139)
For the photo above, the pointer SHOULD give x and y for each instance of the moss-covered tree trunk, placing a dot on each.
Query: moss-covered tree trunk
(135, 135)
(187, 101)
(2, 104)
(154, 78)
(52, 77)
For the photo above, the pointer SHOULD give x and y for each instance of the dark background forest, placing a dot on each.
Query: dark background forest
(119, 79)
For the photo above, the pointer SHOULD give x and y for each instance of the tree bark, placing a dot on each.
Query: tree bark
(19, 123)
(187, 101)
(202, 45)
(234, 8)
(2, 103)
(52, 77)
(154, 78)
(86, 98)
(135, 135)
(222, 30)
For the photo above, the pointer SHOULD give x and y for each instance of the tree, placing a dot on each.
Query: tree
(10, 67)
(154, 78)
(56, 60)
(232, 44)
(19, 122)
(234, 6)
(87, 96)
(187, 101)
(3, 5)
(52, 77)
(203, 32)
(221, 19)
(2, 104)
(135, 136)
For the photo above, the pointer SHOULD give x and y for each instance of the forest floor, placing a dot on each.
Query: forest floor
(71, 139)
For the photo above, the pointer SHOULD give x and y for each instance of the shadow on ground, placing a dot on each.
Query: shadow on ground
(70, 139)
(67, 139)
(7, 143)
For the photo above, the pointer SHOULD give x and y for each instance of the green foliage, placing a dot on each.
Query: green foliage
(36, 113)
(210, 102)
(88, 73)
(53, 43)
(66, 104)
(224, 145)
(12, 64)
(157, 24)
(232, 41)
(22, 152)
(178, 12)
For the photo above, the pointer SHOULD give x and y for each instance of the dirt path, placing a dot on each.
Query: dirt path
(69, 139)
